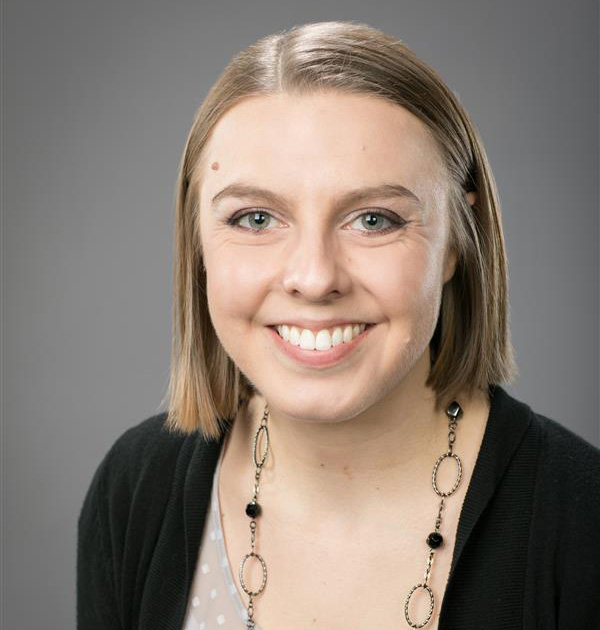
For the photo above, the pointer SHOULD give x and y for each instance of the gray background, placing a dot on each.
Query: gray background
(98, 98)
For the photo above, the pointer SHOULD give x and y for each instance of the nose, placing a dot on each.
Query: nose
(315, 267)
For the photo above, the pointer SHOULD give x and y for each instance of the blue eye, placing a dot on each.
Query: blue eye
(256, 215)
(261, 218)
(375, 219)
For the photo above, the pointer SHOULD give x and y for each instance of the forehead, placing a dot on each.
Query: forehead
(322, 141)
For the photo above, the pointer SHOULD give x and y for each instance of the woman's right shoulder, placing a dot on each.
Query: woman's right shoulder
(144, 446)
(140, 475)
(142, 460)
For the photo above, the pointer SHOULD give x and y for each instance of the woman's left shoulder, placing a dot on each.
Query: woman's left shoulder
(565, 560)
(566, 446)
(570, 467)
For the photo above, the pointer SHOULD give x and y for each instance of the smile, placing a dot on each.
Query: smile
(325, 349)
(322, 340)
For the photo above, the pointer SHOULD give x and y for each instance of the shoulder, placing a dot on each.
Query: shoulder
(144, 471)
(569, 474)
(565, 560)
(138, 450)
(569, 452)
(144, 446)
(141, 464)
(136, 490)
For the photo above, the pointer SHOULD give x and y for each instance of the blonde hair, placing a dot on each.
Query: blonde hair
(471, 345)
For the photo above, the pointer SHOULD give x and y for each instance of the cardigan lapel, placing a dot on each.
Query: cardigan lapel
(507, 423)
(198, 487)
(167, 586)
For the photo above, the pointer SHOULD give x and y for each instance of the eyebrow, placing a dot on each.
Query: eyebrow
(244, 190)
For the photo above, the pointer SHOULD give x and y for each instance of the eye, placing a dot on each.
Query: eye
(255, 217)
(374, 220)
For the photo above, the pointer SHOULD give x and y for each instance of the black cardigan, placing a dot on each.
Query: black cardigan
(526, 552)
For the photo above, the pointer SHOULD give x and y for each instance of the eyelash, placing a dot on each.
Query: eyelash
(397, 222)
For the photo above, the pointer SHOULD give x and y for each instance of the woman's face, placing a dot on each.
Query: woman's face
(305, 250)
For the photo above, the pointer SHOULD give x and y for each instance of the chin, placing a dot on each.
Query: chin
(317, 405)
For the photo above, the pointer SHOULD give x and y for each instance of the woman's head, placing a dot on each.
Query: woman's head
(312, 117)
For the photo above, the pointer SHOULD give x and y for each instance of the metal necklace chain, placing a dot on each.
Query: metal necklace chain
(433, 540)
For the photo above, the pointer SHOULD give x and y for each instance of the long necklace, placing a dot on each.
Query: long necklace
(433, 540)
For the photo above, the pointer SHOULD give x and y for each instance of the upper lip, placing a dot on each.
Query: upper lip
(317, 324)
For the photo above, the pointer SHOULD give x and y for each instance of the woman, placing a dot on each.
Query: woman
(337, 450)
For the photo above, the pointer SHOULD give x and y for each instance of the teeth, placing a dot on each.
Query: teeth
(307, 340)
(348, 333)
(323, 340)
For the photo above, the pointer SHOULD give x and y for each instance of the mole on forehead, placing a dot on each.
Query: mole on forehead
(215, 166)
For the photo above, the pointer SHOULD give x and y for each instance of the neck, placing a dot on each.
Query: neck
(343, 469)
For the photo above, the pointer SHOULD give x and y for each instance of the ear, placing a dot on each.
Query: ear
(452, 257)
(471, 197)
(450, 265)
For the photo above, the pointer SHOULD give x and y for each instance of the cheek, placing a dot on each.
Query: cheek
(234, 291)
(406, 282)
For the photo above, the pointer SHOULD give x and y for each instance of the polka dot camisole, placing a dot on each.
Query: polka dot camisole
(215, 602)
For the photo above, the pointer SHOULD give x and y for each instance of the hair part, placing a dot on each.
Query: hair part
(471, 347)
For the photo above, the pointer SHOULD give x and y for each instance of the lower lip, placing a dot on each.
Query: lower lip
(319, 358)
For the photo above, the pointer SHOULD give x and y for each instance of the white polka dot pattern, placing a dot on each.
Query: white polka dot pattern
(215, 601)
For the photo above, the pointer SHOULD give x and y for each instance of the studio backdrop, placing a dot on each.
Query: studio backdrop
(97, 99)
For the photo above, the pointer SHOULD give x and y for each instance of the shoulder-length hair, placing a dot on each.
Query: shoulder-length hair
(471, 346)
